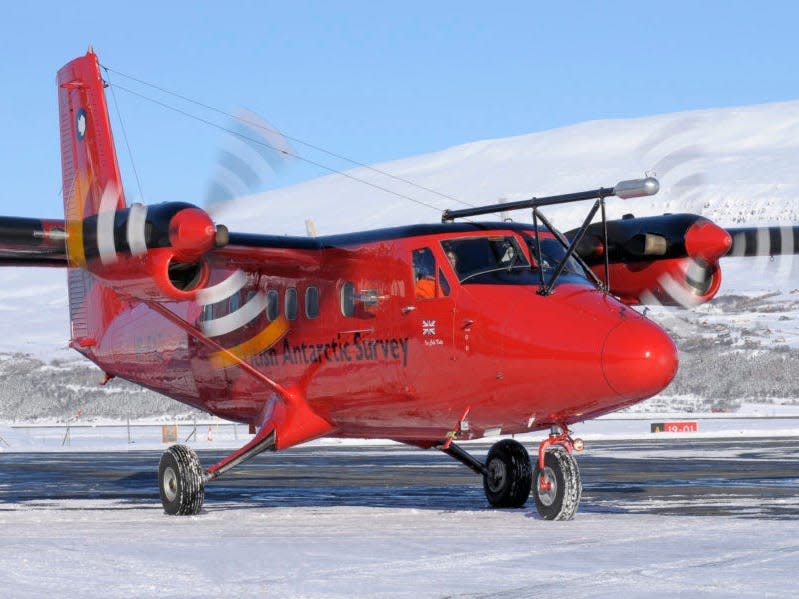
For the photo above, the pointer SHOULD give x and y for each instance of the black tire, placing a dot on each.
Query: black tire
(508, 474)
(560, 502)
(180, 481)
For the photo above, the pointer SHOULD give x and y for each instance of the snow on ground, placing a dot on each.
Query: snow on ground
(129, 548)
(100, 549)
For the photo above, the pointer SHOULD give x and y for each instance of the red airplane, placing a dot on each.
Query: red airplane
(424, 334)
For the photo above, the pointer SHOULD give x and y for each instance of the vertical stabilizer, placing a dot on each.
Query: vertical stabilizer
(91, 183)
(88, 158)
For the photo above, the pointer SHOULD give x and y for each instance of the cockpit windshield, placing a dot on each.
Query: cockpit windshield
(552, 252)
(494, 259)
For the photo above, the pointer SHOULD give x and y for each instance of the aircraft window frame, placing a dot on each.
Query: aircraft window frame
(272, 304)
(443, 283)
(347, 298)
(312, 302)
(290, 303)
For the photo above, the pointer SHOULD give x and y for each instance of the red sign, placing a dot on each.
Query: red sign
(687, 426)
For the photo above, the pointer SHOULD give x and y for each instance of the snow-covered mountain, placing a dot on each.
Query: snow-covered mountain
(732, 165)
(736, 166)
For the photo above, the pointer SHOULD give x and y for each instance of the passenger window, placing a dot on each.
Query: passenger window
(348, 299)
(272, 304)
(207, 313)
(234, 303)
(312, 302)
(291, 303)
(424, 269)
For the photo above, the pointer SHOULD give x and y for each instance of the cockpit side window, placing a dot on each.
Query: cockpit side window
(424, 273)
(473, 257)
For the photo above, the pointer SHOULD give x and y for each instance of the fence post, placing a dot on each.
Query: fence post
(193, 433)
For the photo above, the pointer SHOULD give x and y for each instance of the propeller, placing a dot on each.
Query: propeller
(764, 241)
(683, 251)
(252, 153)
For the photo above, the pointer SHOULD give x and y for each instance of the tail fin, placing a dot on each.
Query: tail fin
(91, 181)
(92, 185)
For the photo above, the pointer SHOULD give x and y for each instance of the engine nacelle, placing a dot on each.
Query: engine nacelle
(671, 259)
(154, 253)
(654, 238)
(157, 275)
(675, 282)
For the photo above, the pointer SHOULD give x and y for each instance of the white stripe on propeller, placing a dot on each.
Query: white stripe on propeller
(786, 253)
(235, 320)
(677, 290)
(105, 224)
(137, 220)
(223, 290)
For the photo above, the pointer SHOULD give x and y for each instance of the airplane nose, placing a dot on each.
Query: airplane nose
(638, 359)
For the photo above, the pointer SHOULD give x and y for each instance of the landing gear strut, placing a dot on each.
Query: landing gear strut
(507, 473)
(181, 479)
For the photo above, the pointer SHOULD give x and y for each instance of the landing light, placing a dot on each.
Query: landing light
(636, 188)
(578, 445)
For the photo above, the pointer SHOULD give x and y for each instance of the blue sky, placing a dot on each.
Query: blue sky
(376, 81)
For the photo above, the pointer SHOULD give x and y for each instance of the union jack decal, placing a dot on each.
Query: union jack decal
(428, 327)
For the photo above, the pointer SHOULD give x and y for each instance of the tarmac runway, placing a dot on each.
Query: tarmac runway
(748, 478)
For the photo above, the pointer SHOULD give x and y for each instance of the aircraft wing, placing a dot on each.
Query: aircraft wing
(275, 255)
(42, 242)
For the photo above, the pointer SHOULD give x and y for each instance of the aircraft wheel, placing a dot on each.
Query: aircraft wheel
(508, 474)
(180, 481)
(557, 488)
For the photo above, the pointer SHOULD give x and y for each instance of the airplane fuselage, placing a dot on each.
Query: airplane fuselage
(376, 357)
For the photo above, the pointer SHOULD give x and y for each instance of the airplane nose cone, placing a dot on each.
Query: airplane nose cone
(638, 359)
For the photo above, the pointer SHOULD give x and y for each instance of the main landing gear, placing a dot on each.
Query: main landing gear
(181, 479)
(509, 477)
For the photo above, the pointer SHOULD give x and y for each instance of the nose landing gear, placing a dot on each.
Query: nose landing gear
(557, 487)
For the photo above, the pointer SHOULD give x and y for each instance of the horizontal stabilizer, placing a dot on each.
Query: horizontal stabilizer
(32, 242)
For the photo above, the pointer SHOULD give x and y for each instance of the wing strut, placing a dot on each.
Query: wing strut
(233, 358)
(286, 418)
